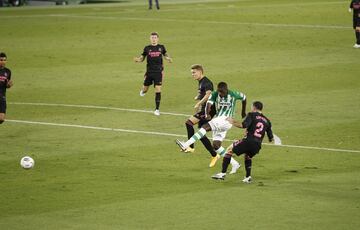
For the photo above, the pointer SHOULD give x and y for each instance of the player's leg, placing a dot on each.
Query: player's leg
(157, 99)
(253, 148)
(146, 84)
(2, 118)
(157, 4)
(157, 84)
(357, 34)
(197, 136)
(2, 110)
(193, 120)
(218, 137)
(226, 161)
(150, 4)
(205, 141)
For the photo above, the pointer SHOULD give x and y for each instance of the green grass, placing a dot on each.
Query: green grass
(93, 179)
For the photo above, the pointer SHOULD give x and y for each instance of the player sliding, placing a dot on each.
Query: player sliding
(5, 82)
(225, 101)
(154, 70)
(256, 124)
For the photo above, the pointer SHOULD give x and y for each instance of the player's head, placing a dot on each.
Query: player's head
(257, 106)
(197, 71)
(3, 59)
(154, 38)
(222, 89)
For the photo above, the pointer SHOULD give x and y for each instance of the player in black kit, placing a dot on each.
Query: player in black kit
(154, 70)
(5, 82)
(204, 92)
(256, 125)
(355, 8)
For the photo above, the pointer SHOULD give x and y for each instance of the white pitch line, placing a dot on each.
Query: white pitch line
(98, 107)
(95, 128)
(204, 22)
(164, 134)
(280, 25)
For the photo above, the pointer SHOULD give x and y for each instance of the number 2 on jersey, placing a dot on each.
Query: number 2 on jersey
(259, 129)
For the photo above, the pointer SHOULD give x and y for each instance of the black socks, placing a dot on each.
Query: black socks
(157, 100)
(357, 34)
(226, 162)
(248, 167)
(190, 130)
(206, 142)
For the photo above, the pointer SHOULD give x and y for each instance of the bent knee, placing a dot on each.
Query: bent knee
(189, 122)
(216, 146)
(247, 157)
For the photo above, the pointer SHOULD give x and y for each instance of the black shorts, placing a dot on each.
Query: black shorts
(2, 105)
(153, 78)
(251, 148)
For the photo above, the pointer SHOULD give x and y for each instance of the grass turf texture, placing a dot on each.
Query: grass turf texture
(92, 179)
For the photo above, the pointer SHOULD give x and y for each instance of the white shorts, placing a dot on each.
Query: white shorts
(219, 126)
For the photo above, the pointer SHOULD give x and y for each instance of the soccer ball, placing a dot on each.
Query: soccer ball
(27, 162)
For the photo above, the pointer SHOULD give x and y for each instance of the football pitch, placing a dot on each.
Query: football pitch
(104, 161)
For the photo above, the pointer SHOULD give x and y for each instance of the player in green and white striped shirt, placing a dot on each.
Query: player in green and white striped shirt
(225, 101)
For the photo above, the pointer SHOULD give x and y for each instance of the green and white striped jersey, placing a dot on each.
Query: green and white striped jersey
(225, 106)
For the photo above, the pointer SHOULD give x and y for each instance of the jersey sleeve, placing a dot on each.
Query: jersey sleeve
(9, 75)
(351, 4)
(247, 121)
(239, 96)
(208, 86)
(144, 53)
(163, 50)
(212, 98)
(269, 132)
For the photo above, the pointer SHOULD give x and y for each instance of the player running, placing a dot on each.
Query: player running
(256, 124)
(225, 101)
(154, 71)
(204, 92)
(5, 82)
(355, 8)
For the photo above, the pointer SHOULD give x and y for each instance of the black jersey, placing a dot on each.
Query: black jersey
(154, 57)
(5, 76)
(204, 85)
(355, 5)
(256, 125)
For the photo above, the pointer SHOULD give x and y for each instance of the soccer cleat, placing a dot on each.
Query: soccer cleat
(181, 145)
(247, 180)
(157, 112)
(356, 46)
(214, 160)
(234, 168)
(219, 176)
(142, 93)
(189, 150)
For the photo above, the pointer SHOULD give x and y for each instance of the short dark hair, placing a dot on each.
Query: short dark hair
(154, 33)
(3, 55)
(198, 67)
(222, 85)
(258, 105)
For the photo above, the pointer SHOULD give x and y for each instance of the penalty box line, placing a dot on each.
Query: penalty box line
(164, 134)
